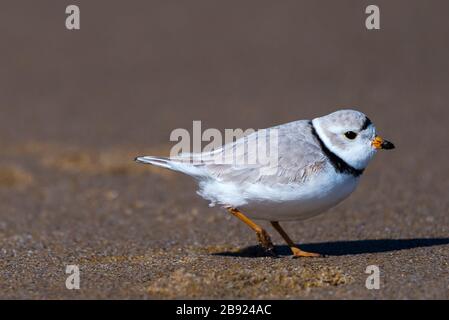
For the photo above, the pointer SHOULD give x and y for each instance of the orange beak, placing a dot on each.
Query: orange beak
(380, 143)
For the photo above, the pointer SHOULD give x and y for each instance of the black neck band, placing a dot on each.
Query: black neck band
(338, 163)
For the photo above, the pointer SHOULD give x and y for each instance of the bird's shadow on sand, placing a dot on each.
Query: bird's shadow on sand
(341, 248)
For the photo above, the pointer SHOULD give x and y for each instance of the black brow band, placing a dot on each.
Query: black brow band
(338, 163)
(366, 124)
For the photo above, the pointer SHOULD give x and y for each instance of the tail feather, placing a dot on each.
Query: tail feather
(157, 161)
(173, 164)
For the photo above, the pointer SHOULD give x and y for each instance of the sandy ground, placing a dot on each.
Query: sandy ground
(77, 107)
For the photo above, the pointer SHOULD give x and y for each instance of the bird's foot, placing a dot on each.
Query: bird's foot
(299, 253)
(265, 243)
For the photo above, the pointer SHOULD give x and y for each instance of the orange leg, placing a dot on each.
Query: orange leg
(296, 251)
(262, 235)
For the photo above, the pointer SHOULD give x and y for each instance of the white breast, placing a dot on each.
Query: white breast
(284, 202)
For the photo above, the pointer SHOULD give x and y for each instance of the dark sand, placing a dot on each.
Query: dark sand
(76, 107)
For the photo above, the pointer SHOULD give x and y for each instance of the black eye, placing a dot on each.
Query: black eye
(350, 135)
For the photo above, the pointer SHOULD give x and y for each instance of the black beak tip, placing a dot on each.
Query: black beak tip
(387, 145)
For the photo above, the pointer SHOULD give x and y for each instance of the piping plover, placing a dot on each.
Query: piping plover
(318, 163)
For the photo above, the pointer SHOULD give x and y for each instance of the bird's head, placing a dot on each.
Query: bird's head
(350, 135)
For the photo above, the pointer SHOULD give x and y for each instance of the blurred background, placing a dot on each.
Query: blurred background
(77, 106)
(136, 70)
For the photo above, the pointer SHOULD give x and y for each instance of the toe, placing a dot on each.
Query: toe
(299, 253)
